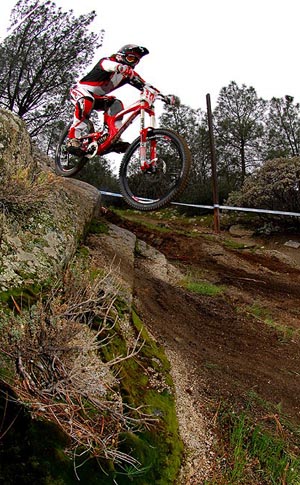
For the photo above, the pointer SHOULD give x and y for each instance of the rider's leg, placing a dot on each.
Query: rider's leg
(115, 108)
(84, 103)
(119, 146)
(110, 105)
(83, 108)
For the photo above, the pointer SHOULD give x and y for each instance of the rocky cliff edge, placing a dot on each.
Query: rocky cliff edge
(37, 238)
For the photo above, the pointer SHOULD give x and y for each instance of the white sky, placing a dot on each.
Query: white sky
(199, 46)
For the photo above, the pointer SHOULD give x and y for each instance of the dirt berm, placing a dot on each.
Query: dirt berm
(237, 346)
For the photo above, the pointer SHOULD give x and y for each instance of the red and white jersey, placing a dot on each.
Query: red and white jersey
(104, 78)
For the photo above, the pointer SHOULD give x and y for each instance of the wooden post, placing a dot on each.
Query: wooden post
(213, 167)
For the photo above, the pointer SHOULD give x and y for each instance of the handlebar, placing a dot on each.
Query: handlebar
(170, 99)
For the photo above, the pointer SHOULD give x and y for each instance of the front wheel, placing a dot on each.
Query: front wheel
(67, 164)
(166, 177)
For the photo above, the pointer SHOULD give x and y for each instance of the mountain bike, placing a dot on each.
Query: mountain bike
(156, 165)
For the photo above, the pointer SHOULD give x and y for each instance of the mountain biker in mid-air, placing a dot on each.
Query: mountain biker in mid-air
(91, 92)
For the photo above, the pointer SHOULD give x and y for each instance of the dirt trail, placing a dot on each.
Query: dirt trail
(230, 348)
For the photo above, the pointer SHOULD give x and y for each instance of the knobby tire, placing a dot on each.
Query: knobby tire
(152, 190)
(67, 165)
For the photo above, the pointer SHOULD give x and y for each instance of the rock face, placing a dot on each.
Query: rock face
(38, 237)
(37, 240)
(15, 144)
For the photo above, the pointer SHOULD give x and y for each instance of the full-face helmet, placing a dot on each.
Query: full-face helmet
(131, 54)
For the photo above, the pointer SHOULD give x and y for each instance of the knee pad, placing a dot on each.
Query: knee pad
(83, 107)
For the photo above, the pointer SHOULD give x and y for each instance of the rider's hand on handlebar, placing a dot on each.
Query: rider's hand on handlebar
(172, 100)
(127, 71)
(151, 88)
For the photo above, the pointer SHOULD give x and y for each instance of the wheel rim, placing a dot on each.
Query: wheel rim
(69, 164)
(161, 179)
(66, 161)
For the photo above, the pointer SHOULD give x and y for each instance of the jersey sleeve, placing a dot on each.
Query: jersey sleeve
(108, 65)
(137, 81)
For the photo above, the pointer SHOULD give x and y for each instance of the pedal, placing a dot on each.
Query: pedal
(73, 147)
(92, 150)
(77, 151)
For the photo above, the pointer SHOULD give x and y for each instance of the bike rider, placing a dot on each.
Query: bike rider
(91, 92)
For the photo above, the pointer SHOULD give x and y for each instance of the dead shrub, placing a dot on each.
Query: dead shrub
(60, 376)
(21, 186)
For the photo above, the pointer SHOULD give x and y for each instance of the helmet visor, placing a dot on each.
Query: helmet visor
(131, 59)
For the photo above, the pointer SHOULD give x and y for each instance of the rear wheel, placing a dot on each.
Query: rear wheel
(67, 164)
(157, 186)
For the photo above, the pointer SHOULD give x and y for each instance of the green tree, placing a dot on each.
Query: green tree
(40, 59)
(239, 128)
(192, 125)
(98, 172)
(283, 128)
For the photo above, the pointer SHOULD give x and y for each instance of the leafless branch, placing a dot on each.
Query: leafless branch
(61, 376)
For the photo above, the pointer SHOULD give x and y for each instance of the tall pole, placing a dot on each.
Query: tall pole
(213, 167)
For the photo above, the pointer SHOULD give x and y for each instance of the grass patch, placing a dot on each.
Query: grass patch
(20, 298)
(164, 216)
(98, 227)
(204, 288)
(253, 454)
(159, 227)
(285, 333)
(230, 244)
(274, 411)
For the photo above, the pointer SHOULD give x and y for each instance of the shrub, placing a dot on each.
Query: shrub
(274, 186)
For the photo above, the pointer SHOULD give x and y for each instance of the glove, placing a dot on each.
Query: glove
(127, 71)
(151, 88)
(172, 100)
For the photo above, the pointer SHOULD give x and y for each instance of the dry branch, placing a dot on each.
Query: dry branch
(61, 377)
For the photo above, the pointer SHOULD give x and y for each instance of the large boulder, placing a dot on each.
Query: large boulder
(15, 143)
(37, 237)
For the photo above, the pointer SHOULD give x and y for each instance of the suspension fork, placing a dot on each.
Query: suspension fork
(143, 143)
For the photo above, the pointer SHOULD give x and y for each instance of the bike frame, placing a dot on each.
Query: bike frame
(142, 107)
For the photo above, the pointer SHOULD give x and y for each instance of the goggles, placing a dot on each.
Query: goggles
(131, 59)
